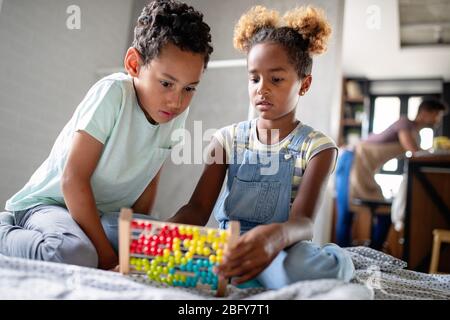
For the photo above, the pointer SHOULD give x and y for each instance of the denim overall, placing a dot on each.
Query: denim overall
(255, 198)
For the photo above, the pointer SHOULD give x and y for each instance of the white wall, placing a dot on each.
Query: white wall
(376, 52)
(45, 71)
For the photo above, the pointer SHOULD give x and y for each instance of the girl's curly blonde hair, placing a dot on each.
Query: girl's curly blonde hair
(303, 32)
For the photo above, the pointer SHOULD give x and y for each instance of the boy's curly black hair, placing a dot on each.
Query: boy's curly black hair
(169, 21)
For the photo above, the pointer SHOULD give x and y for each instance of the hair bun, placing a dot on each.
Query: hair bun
(312, 24)
(256, 18)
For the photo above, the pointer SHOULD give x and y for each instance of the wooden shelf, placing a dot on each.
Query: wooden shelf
(354, 100)
(351, 123)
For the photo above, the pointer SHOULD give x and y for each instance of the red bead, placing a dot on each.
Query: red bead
(141, 225)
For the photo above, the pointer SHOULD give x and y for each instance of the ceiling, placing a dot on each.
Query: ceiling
(424, 22)
(376, 52)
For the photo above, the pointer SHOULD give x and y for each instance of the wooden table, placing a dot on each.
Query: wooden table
(427, 208)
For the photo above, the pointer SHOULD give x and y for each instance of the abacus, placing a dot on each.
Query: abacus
(179, 255)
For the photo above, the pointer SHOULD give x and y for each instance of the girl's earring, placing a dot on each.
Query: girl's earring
(302, 93)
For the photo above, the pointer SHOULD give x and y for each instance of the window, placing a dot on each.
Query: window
(386, 112)
(426, 134)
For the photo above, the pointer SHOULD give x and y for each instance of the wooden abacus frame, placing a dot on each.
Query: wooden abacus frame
(125, 238)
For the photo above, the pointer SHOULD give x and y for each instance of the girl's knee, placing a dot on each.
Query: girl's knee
(309, 261)
(343, 268)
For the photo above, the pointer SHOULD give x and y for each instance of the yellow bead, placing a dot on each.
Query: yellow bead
(165, 270)
(177, 254)
(181, 230)
(170, 264)
(166, 253)
(206, 251)
(212, 258)
(219, 252)
(183, 260)
(186, 243)
(188, 231)
(176, 246)
(211, 232)
(177, 260)
(176, 240)
(215, 245)
(189, 255)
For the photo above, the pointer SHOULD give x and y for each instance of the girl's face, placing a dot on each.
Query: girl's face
(273, 86)
(167, 84)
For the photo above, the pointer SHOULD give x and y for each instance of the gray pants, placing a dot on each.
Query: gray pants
(49, 233)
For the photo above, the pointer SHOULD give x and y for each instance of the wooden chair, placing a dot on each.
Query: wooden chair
(440, 235)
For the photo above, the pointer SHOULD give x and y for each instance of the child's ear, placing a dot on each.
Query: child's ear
(132, 62)
(306, 83)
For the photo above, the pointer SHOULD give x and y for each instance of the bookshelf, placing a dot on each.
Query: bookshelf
(354, 111)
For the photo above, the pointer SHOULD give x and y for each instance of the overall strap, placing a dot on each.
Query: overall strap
(242, 135)
(300, 136)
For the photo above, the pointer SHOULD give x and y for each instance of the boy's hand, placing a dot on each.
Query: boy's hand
(253, 252)
(107, 259)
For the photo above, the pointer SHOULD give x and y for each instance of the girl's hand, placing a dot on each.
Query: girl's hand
(253, 252)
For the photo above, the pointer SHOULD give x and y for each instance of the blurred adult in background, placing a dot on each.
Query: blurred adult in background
(356, 167)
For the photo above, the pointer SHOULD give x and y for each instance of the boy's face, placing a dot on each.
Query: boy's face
(167, 84)
(273, 83)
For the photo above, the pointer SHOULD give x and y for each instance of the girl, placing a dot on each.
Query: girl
(110, 153)
(274, 206)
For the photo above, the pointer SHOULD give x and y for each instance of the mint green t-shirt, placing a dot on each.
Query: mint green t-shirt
(134, 149)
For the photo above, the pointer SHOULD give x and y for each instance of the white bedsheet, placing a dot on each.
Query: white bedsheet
(378, 276)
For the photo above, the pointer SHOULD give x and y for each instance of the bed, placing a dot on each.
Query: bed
(378, 276)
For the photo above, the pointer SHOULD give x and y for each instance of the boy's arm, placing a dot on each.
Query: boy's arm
(79, 197)
(144, 204)
(202, 201)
